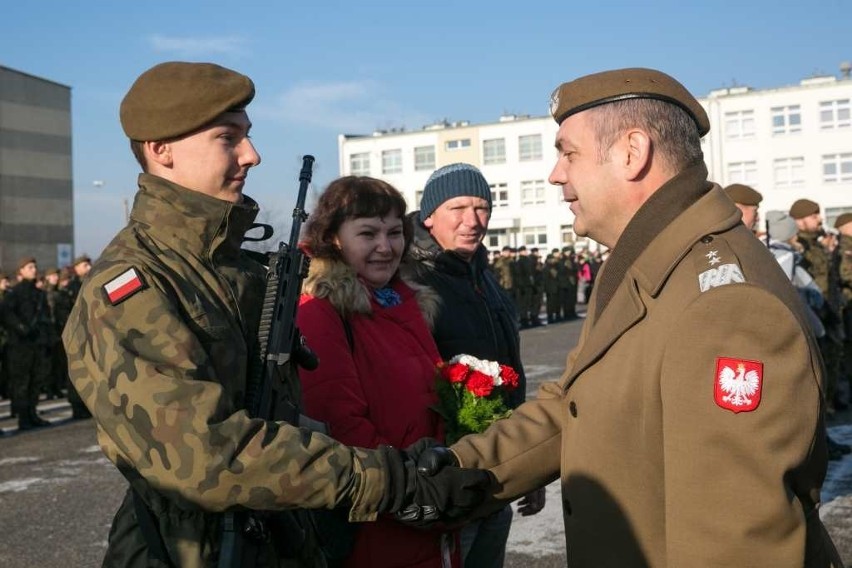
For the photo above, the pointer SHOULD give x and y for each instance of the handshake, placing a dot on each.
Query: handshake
(425, 485)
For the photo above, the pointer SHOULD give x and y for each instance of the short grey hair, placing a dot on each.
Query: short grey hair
(672, 131)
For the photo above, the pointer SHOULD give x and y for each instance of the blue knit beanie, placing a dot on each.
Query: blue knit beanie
(455, 180)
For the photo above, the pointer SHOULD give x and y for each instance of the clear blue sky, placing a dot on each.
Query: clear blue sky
(323, 68)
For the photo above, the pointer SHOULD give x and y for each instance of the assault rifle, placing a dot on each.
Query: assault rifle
(244, 532)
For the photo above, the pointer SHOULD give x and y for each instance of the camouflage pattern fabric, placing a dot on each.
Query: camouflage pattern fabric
(163, 372)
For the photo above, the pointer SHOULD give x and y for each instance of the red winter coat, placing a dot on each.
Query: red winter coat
(378, 391)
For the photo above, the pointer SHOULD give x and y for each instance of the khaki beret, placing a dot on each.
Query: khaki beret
(176, 98)
(803, 207)
(636, 83)
(25, 261)
(743, 194)
(81, 259)
(50, 271)
(842, 220)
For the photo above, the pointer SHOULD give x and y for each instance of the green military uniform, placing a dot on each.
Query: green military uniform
(523, 284)
(4, 384)
(26, 316)
(60, 304)
(844, 257)
(537, 289)
(503, 270)
(184, 329)
(822, 266)
(551, 287)
(568, 284)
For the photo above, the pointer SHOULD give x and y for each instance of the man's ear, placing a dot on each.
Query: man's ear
(159, 152)
(637, 155)
(428, 222)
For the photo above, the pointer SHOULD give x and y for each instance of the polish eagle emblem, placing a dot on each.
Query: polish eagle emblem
(738, 384)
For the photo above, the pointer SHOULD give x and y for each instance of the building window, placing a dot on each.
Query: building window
(391, 161)
(529, 147)
(567, 234)
(418, 197)
(742, 172)
(359, 164)
(494, 151)
(534, 236)
(496, 239)
(789, 171)
(424, 158)
(837, 167)
(458, 144)
(499, 195)
(739, 124)
(533, 192)
(786, 119)
(834, 114)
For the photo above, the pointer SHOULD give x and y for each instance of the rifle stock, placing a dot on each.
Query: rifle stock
(244, 532)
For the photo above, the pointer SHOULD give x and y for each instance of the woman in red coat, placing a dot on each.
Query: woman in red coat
(375, 382)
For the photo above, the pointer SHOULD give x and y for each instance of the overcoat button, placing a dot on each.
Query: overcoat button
(572, 408)
(707, 239)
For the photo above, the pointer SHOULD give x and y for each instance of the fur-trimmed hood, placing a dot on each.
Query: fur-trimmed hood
(339, 284)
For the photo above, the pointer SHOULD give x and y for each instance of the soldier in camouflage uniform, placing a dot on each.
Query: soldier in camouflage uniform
(843, 224)
(820, 262)
(551, 272)
(160, 341)
(503, 269)
(523, 284)
(26, 316)
(80, 269)
(568, 284)
(537, 287)
(60, 305)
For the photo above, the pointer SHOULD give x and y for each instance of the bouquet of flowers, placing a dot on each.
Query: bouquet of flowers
(471, 394)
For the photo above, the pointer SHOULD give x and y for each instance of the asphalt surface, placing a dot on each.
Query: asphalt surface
(58, 493)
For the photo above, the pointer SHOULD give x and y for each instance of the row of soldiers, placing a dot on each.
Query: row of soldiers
(826, 256)
(33, 311)
(553, 283)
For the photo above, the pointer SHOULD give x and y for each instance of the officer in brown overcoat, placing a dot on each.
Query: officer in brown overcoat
(686, 431)
(747, 200)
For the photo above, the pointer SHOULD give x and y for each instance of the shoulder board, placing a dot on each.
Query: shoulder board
(715, 263)
(124, 286)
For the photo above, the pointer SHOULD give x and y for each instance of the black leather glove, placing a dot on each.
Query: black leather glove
(419, 499)
(434, 459)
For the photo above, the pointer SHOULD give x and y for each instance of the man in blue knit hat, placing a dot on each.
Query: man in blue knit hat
(476, 316)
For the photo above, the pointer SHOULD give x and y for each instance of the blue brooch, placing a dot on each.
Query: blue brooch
(387, 297)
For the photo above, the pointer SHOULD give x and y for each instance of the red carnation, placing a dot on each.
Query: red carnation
(510, 377)
(455, 373)
(480, 384)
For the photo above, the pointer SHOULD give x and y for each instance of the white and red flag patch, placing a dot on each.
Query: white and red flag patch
(123, 286)
(738, 384)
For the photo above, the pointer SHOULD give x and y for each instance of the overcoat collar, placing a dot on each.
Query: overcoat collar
(712, 213)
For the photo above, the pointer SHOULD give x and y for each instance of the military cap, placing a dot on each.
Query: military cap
(4, 276)
(176, 98)
(803, 207)
(25, 261)
(506, 248)
(81, 259)
(842, 220)
(621, 84)
(567, 249)
(743, 194)
(50, 271)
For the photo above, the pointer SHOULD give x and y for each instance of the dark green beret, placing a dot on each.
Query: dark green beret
(636, 83)
(81, 259)
(50, 271)
(25, 261)
(842, 220)
(176, 98)
(802, 208)
(743, 194)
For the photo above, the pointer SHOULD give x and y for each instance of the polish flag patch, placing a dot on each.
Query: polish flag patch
(738, 384)
(123, 286)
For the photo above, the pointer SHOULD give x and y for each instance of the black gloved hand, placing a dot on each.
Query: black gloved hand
(434, 459)
(419, 500)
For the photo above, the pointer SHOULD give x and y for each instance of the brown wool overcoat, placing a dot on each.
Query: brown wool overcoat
(653, 471)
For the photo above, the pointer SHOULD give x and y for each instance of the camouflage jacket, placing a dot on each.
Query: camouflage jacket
(815, 258)
(26, 315)
(60, 301)
(844, 249)
(503, 269)
(162, 366)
